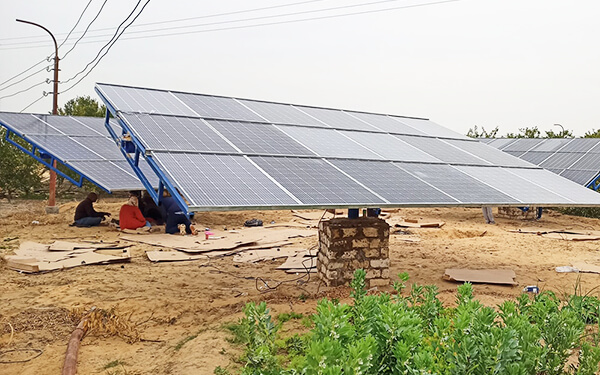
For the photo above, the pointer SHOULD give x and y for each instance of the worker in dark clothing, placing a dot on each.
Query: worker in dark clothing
(85, 215)
(150, 210)
(175, 217)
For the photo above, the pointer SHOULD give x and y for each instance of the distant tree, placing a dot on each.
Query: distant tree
(20, 174)
(561, 134)
(475, 133)
(592, 134)
(533, 132)
(82, 106)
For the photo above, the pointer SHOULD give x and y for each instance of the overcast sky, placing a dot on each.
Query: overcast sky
(506, 63)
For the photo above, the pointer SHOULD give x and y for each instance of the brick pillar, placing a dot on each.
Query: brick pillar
(346, 245)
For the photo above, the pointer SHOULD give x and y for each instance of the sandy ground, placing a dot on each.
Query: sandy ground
(180, 308)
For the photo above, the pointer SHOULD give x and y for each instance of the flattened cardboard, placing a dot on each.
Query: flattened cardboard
(485, 276)
(191, 244)
(173, 256)
(587, 267)
(571, 236)
(33, 264)
(70, 246)
(298, 262)
(268, 254)
(423, 224)
(312, 215)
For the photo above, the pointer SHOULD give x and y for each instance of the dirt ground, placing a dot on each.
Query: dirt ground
(180, 308)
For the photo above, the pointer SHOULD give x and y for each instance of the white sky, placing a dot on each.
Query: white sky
(506, 63)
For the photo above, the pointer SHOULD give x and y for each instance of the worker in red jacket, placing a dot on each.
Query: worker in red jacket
(130, 216)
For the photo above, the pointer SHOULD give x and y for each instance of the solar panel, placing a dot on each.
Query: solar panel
(561, 160)
(442, 150)
(316, 182)
(429, 127)
(499, 143)
(259, 138)
(577, 159)
(176, 133)
(277, 155)
(222, 180)
(218, 107)
(580, 177)
(386, 123)
(389, 147)
(281, 113)
(534, 157)
(132, 99)
(523, 144)
(336, 118)
(513, 185)
(81, 144)
(457, 184)
(398, 186)
(328, 142)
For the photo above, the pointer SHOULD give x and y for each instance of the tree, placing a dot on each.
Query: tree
(20, 174)
(533, 132)
(561, 134)
(592, 134)
(474, 132)
(82, 106)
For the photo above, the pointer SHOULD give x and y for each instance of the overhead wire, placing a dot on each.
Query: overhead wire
(186, 19)
(23, 72)
(76, 23)
(35, 101)
(86, 29)
(108, 49)
(264, 24)
(23, 79)
(27, 89)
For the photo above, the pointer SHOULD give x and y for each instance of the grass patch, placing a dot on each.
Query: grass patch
(181, 343)
(238, 332)
(112, 364)
(284, 317)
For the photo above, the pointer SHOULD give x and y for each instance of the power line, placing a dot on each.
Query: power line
(185, 19)
(292, 21)
(23, 72)
(270, 23)
(242, 20)
(108, 45)
(21, 80)
(97, 62)
(35, 101)
(27, 89)
(76, 23)
(86, 29)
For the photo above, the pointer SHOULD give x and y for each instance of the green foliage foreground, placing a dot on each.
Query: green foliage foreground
(416, 334)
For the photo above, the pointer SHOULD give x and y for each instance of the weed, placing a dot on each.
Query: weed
(284, 317)
(221, 371)
(303, 297)
(181, 343)
(112, 364)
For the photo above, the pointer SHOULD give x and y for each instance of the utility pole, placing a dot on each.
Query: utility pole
(51, 208)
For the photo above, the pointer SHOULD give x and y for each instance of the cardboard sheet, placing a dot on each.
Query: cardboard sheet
(69, 246)
(587, 267)
(486, 276)
(298, 262)
(268, 254)
(33, 257)
(194, 244)
(312, 215)
(571, 236)
(419, 224)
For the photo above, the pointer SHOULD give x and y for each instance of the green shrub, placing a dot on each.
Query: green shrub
(416, 334)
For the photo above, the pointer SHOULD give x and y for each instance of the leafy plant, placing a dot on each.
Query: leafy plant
(416, 334)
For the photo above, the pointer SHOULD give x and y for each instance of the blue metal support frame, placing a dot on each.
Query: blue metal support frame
(164, 181)
(49, 164)
(595, 183)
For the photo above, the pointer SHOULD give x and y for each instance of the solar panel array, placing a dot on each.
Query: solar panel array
(224, 153)
(82, 144)
(577, 159)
